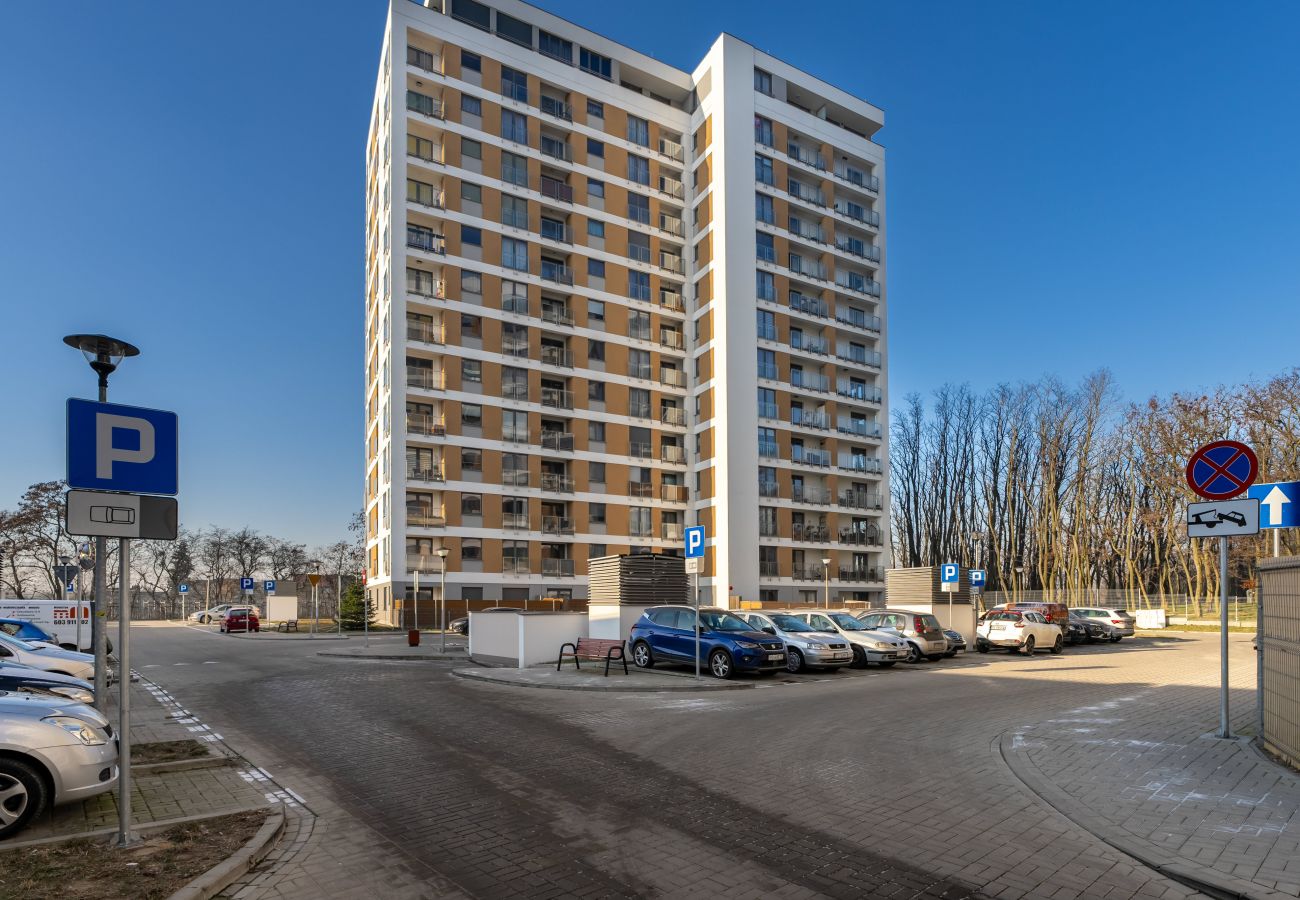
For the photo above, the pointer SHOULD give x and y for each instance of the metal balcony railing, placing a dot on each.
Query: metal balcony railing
(810, 345)
(810, 533)
(557, 108)
(859, 500)
(859, 356)
(425, 195)
(866, 573)
(769, 489)
(859, 428)
(514, 390)
(670, 531)
(515, 303)
(672, 187)
(557, 440)
(556, 315)
(672, 263)
(867, 393)
(557, 525)
(858, 319)
(420, 239)
(640, 489)
(673, 339)
(433, 289)
(639, 411)
(423, 59)
(671, 300)
(768, 411)
(807, 157)
(808, 232)
(557, 484)
(424, 379)
(809, 419)
(425, 105)
(556, 190)
(857, 213)
(808, 573)
(515, 521)
(556, 149)
(805, 193)
(868, 538)
(670, 149)
(809, 381)
(801, 266)
(672, 377)
(514, 477)
(556, 231)
(431, 475)
(557, 356)
(641, 449)
(768, 569)
(557, 568)
(557, 272)
(425, 334)
(868, 464)
(672, 415)
(810, 495)
(811, 457)
(672, 225)
(515, 567)
(858, 179)
(858, 284)
(422, 423)
(858, 248)
(514, 346)
(424, 517)
(671, 453)
(557, 399)
(809, 305)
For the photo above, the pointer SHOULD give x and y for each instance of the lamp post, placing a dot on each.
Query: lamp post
(104, 355)
(826, 574)
(442, 597)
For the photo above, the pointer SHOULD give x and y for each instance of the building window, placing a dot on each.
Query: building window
(766, 364)
(555, 47)
(471, 61)
(763, 131)
(763, 208)
(512, 29)
(471, 549)
(596, 353)
(638, 285)
(471, 106)
(595, 311)
(638, 131)
(514, 84)
(596, 432)
(514, 211)
(595, 109)
(595, 188)
(474, 13)
(471, 372)
(596, 472)
(767, 521)
(471, 193)
(638, 403)
(638, 363)
(596, 391)
(767, 442)
(596, 513)
(595, 63)
(638, 169)
(596, 268)
(766, 247)
(595, 228)
(765, 285)
(762, 81)
(638, 246)
(514, 169)
(767, 403)
(514, 126)
(471, 460)
(471, 235)
(766, 325)
(596, 551)
(762, 169)
(471, 504)
(471, 283)
(638, 208)
(471, 415)
(595, 148)
(471, 327)
(638, 521)
(514, 254)
(471, 149)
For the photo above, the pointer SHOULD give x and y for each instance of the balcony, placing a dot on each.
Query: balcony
(427, 195)
(515, 390)
(858, 319)
(423, 517)
(868, 464)
(557, 525)
(670, 531)
(810, 306)
(866, 573)
(515, 521)
(858, 284)
(768, 411)
(807, 157)
(424, 150)
(671, 339)
(860, 538)
(425, 334)
(557, 440)
(423, 59)
(809, 381)
(672, 415)
(805, 419)
(556, 398)
(641, 449)
(859, 356)
(670, 149)
(422, 423)
(515, 303)
(557, 272)
(769, 569)
(423, 239)
(807, 268)
(811, 495)
(556, 315)
(514, 346)
(431, 289)
(867, 393)
(514, 477)
(858, 428)
(672, 225)
(671, 453)
(671, 300)
(672, 187)
(672, 377)
(557, 108)
(810, 345)
(557, 484)
(557, 356)
(813, 233)
(858, 248)
(674, 493)
(424, 379)
(556, 149)
(811, 457)
(433, 476)
(556, 190)
(557, 568)
(556, 231)
(425, 105)
(858, 179)
(810, 533)
(859, 500)
(515, 567)
(639, 410)
(672, 262)
(806, 194)
(640, 489)
(809, 573)
(857, 213)
(769, 489)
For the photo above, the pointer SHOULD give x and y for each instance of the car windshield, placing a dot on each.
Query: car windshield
(13, 641)
(791, 624)
(723, 621)
(847, 622)
(1004, 616)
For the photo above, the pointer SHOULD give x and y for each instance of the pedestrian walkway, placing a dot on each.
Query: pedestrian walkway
(1206, 811)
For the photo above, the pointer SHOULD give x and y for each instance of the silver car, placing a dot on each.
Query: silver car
(47, 657)
(868, 646)
(805, 647)
(925, 637)
(1118, 621)
(51, 751)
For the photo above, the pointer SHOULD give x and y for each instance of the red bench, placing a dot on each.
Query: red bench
(593, 648)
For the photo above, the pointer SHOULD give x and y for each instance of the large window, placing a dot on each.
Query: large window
(638, 131)
(514, 169)
(555, 47)
(762, 81)
(638, 363)
(638, 403)
(766, 325)
(638, 285)
(767, 442)
(514, 211)
(766, 247)
(767, 521)
(514, 84)
(638, 521)
(476, 14)
(512, 29)
(514, 254)
(765, 285)
(763, 208)
(766, 364)
(595, 109)
(471, 106)
(763, 131)
(595, 63)
(638, 246)
(638, 208)
(514, 126)
(638, 169)
(763, 168)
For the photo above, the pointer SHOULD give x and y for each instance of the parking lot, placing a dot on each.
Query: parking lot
(875, 781)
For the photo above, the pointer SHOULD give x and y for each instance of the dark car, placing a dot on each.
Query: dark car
(956, 643)
(728, 644)
(20, 679)
(1093, 631)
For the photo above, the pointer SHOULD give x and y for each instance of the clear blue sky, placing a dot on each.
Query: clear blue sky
(1070, 187)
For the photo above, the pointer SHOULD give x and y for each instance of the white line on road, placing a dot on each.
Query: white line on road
(211, 662)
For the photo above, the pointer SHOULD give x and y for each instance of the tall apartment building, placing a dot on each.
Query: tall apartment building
(606, 299)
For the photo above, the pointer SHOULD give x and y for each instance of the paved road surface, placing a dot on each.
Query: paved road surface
(883, 783)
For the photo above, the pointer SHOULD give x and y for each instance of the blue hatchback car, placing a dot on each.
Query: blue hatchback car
(26, 631)
(728, 644)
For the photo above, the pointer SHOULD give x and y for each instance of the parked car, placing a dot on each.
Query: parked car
(869, 645)
(26, 631)
(47, 658)
(1121, 624)
(52, 751)
(461, 625)
(956, 643)
(924, 635)
(805, 646)
(728, 644)
(1054, 613)
(1018, 630)
(212, 614)
(19, 678)
(240, 618)
(1094, 629)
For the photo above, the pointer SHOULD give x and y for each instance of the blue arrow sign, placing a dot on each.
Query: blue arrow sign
(949, 573)
(1279, 504)
(694, 541)
(977, 578)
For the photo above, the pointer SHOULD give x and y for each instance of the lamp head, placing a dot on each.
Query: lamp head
(826, 561)
(442, 553)
(101, 351)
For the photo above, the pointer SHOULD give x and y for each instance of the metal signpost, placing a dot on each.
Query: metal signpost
(978, 578)
(1218, 472)
(184, 591)
(950, 583)
(314, 578)
(415, 602)
(116, 454)
(1280, 508)
(694, 537)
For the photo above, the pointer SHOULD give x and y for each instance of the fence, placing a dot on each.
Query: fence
(1279, 656)
(1241, 609)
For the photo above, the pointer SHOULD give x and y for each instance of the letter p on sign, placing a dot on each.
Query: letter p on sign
(107, 451)
(695, 542)
(122, 448)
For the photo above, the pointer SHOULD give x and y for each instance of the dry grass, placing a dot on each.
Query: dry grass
(167, 751)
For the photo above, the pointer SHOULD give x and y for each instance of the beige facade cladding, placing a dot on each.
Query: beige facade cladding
(574, 253)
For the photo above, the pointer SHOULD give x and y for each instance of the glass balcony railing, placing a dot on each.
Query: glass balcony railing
(557, 356)
(421, 423)
(864, 573)
(810, 457)
(556, 231)
(430, 474)
(859, 356)
(858, 179)
(672, 377)
(814, 495)
(556, 483)
(557, 272)
(859, 500)
(768, 411)
(672, 415)
(515, 566)
(671, 300)
(859, 284)
(556, 315)
(670, 149)
(805, 419)
(859, 428)
(557, 399)
(809, 305)
(556, 190)
(867, 393)
(869, 464)
(515, 521)
(671, 453)
(557, 568)
(424, 334)
(423, 59)
(809, 381)
(557, 525)
(858, 319)
(514, 477)
(424, 379)
(556, 149)
(557, 440)
(557, 108)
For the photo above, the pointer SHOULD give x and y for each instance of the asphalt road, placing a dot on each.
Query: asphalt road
(877, 783)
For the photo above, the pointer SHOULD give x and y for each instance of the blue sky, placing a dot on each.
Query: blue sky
(1070, 187)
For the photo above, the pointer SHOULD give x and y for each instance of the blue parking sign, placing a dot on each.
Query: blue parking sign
(268, 586)
(977, 577)
(127, 449)
(184, 588)
(694, 542)
(949, 573)
(246, 584)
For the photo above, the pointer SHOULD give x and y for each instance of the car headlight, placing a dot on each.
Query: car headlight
(81, 695)
(746, 645)
(82, 731)
(881, 645)
(816, 646)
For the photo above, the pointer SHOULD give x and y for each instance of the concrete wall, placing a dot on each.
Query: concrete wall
(613, 621)
(1279, 656)
(494, 637)
(522, 639)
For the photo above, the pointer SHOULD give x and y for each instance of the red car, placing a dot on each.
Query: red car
(240, 618)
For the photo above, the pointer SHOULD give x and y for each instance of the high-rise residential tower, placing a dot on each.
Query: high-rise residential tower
(607, 299)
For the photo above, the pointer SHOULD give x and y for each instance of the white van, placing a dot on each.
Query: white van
(58, 617)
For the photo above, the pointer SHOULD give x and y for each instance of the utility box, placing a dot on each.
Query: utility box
(920, 590)
(619, 588)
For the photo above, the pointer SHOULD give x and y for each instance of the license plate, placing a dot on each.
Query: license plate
(999, 626)
(775, 657)
(841, 655)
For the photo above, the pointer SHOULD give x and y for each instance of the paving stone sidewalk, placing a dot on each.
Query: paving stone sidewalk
(592, 678)
(224, 787)
(1164, 788)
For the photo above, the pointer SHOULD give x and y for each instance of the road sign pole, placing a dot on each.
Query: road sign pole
(81, 604)
(695, 589)
(124, 836)
(1224, 730)
(98, 623)
(1277, 542)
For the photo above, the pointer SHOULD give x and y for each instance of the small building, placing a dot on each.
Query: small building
(919, 589)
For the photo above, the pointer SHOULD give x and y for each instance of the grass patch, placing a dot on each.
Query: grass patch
(1236, 629)
(167, 751)
(157, 867)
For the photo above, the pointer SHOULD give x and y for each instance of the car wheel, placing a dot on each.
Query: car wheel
(859, 658)
(1118, 638)
(1058, 646)
(913, 654)
(793, 662)
(950, 654)
(1029, 646)
(1114, 640)
(23, 795)
(720, 664)
(641, 656)
(981, 647)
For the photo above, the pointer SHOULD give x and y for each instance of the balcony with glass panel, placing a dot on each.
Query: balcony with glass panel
(866, 393)
(426, 424)
(556, 148)
(672, 187)
(810, 532)
(812, 494)
(420, 238)
(560, 441)
(859, 498)
(857, 178)
(857, 212)
(556, 230)
(557, 568)
(556, 483)
(671, 531)
(859, 248)
(425, 379)
(807, 157)
(818, 458)
(426, 474)
(515, 477)
(672, 225)
(556, 356)
(672, 377)
(671, 149)
(671, 300)
(672, 262)
(866, 574)
(557, 398)
(859, 356)
(812, 306)
(805, 419)
(556, 107)
(809, 381)
(810, 344)
(672, 453)
(557, 271)
(426, 105)
(861, 534)
(420, 515)
(859, 428)
(554, 189)
(429, 61)
(424, 332)
(555, 313)
(859, 283)
(808, 194)
(640, 489)
(557, 525)
(515, 565)
(515, 521)
(856, 318)
(855, 463)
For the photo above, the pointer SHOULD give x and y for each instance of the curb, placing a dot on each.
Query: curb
(405, 657)
(223, 874)
(141, 828)
(1176, 868)
(475, 675)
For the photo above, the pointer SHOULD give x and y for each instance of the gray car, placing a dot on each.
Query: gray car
(52, 751)
(1119, 624)
(881, 647)
(805, 647)
(925, 637)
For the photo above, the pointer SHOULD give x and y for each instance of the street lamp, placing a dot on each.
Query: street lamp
(826, 574)
(104, 353)
(442, 597)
